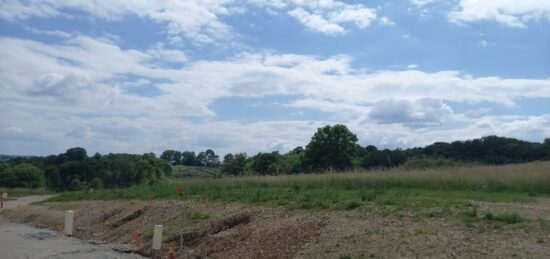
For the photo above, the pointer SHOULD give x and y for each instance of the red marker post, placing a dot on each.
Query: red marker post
(4, 197)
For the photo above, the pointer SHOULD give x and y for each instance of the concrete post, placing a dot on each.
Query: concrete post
(88, 222)
(157, 242)
(69, 216)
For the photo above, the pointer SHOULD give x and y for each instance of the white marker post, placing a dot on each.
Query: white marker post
(157, 242)
(69, 214)
(88, 222)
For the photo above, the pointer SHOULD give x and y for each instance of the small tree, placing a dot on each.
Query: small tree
(263, 162)
(96, 184)
(236, 165)
(171, 156)
(188, 158)
(76, 185)
(208, 158)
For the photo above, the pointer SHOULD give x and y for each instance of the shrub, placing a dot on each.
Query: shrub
(76, 185)
(96, 184)
(22, 175)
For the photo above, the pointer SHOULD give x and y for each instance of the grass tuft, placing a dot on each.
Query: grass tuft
(509, 218)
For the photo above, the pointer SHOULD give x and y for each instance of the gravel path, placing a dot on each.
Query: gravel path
(23, 241)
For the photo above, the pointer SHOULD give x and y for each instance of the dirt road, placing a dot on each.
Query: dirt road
(23, 241)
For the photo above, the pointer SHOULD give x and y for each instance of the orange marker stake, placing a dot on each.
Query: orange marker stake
(137, 239)
(171, 252)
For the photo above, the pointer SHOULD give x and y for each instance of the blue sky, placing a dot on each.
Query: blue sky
(141, 76)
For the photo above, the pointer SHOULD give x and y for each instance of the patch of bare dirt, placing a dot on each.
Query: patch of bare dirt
(242, 231)
(530, 210)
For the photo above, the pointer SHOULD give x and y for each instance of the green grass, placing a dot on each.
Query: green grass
(18, 192)
(435, 191)
(509, 218)
(184, 171)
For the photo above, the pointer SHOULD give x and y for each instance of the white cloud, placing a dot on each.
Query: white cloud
(159, 52)
(72, 93)
(512, 13)
(386, 21)
(198, 20)
(421, 3)
(478, 113)
(316, 22)
(418, 113)
(329, 16)
(55, 33)
(484, 43)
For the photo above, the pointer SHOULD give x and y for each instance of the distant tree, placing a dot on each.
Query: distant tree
(371, 148)
(227, 158)
(289, 163)
(547, 148)
(171, 156)
(262, 163)
(375, 159)
(331, 147)
(208, 158)
(189, 158)
(96, 184)
(234, 164)
(297, 150)
(76, 153)
(22, 175)
(76, 185)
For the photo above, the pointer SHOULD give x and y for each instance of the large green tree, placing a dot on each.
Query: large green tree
(331, 147)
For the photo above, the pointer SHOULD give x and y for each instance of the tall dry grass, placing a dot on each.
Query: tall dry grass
(449, 187)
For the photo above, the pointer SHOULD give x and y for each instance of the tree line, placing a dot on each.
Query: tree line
(335, 148)
(75, 170)
(332, 148)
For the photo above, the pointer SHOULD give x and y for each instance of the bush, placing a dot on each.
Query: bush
(76, 185)
(96, 184)
(21, 175)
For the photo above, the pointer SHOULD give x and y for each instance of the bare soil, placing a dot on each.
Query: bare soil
(243, 231)
(24, 241)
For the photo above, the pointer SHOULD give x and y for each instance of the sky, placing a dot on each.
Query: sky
(259, 76)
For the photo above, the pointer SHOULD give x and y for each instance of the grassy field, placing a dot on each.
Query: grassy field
(452, 190)
(18, 192)
(183, 171)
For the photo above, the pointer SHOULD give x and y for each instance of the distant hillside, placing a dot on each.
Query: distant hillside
(8, 157)
(184, 171)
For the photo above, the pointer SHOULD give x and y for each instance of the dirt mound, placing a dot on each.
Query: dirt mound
(221, 230)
